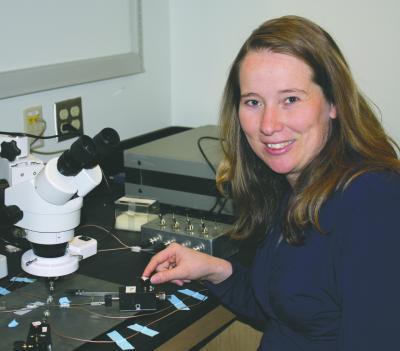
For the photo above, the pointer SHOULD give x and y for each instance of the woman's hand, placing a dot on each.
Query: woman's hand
(179, 264)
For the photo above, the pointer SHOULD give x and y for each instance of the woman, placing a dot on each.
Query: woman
(316, 181)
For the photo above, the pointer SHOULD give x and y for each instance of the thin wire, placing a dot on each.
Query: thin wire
(203, 153)
(40, 134)
(74, 306)
(105, 179)
(35, 151)
(28, 135)
(36, 137)
(120, 317)
(218, 197)
(48, 152)
(19, 134)
(46, 306)
(135, 316)
(107, 231)
(82, 340)
(115, 249)
(127, 248)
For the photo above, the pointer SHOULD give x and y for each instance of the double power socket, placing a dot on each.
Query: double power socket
(68, 121)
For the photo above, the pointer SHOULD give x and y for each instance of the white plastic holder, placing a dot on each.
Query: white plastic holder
(82, 246)
(49, 267)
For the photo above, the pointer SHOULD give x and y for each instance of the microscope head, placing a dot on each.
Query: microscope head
(51, 201)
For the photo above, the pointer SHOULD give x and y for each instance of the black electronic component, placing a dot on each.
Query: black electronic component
(108, 300)
(85, 238)
(145, 284)
(140, 297)
(39, 338)
(132, 300)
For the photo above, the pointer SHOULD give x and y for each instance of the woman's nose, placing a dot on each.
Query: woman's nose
(271, 121)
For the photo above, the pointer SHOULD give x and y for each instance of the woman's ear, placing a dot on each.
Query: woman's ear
(332, 111)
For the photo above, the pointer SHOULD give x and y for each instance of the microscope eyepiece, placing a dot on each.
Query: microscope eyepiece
(106, 141)
(81, 154)
(87, 152)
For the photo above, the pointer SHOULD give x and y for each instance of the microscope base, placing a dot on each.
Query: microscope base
(49, 267)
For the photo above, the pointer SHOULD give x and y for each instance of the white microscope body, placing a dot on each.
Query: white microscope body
(51, 197)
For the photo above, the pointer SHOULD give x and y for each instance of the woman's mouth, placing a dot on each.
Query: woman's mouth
(278, 148)
(280, 145)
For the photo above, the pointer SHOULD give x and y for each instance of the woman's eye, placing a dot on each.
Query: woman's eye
(252, 103)
(291, 99)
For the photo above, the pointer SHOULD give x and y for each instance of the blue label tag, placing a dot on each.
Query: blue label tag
(13, 324)
(64, 301)
(22, 280)
(120, 340)
(4, 291)
(144, 330)
(193, 294)
(178, 303)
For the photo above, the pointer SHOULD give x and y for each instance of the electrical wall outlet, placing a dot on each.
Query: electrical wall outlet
(68, 118)
(34, 124)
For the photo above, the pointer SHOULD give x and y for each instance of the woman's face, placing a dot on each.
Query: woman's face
(282, 112)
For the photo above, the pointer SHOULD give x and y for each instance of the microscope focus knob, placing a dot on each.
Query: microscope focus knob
(10, 215)
(9, 150)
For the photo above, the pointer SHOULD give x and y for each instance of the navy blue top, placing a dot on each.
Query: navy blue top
(338, 291)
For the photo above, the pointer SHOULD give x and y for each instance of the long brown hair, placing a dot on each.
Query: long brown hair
(356, 143)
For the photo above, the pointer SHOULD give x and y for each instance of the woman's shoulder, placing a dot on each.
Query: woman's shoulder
(373, 183)
(370, 189)
(369, 204)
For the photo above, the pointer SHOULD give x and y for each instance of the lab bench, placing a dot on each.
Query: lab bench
(178, 330)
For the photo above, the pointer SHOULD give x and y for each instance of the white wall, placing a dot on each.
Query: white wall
(206, 35)
(188, 47)
(132, 105)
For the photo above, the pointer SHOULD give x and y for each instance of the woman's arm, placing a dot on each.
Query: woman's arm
(368, 265)
(230, 282)
(179, 264)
